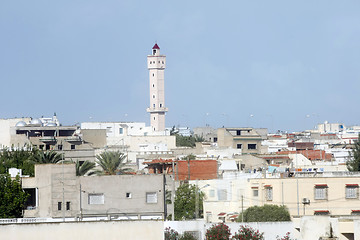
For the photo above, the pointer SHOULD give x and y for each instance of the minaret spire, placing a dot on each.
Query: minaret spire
(156, 65)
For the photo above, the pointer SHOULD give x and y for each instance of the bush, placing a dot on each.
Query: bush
(171, 234)
(218, 232)
(187, 236)
(266, 213)
(248, 233)
(286, 237)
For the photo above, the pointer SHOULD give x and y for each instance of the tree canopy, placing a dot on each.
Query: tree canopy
(17, 158)
(42, 157)
(12, 197)
(266, 213)
(112, 163)
(185, 200)
(353, 164)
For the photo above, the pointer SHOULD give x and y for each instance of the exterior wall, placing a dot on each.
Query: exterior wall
(97, 137)
(135, 230)
(115, 189)
(49, 179)
(229, 137)
(198, 169)
(225, 198)
(291, 191)
(5, 126)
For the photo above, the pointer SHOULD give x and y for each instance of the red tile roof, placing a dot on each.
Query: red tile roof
(155, 46)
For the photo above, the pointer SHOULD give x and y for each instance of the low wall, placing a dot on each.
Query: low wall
(134, 230)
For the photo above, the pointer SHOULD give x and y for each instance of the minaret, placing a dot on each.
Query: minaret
(156, 65)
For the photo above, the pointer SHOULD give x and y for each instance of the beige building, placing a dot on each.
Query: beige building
(56, 192)
(335, 196)
(247, 139)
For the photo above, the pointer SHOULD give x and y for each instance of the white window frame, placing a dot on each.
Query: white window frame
(269, 193)
(352, 192)
(321, 192)
(151, 197)
(96, 199)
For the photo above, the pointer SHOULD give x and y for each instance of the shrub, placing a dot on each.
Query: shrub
(248, 233)
(218, 232)
(187, 236)
(286, 237)
(171, 234)
(266, 213)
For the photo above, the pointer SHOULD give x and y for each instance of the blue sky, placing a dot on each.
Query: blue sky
(284, 65)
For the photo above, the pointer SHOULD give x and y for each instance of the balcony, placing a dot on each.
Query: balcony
(48, 139)
(73, 139)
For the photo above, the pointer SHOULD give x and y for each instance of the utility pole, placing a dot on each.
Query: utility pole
(196, 200)
(63, 188)
(173, 193)
(80, 205)
(242, 208)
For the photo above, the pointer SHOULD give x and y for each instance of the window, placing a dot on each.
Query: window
(151, 197)
(268, 193)
(215, 139)
(238, 146)
(67, 206)
(212, 193)
(162, 62)
(160, 105)
(321, 192)
(60, 147)
(153, 75)
(128, 195)
(96, 198)
(255, 192)
(153, 96)
(355, 212)
(59, 206)
(238, 132)
(154, 118)
(150, 62)
(222, 194)
(251, 146)
(121, 130)
(154, 105)
(47, 147)
(352, 191)
(153, 85)
(72, 147)
(31, 200)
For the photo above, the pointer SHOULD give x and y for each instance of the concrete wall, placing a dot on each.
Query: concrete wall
(122, 194)
(134, 230)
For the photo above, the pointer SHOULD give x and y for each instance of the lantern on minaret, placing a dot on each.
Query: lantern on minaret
(156, 65)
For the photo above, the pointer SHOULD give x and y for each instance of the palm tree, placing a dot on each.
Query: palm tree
(85, 168)
(46, 157)
(112, 163)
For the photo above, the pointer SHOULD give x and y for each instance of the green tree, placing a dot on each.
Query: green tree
(185, 200)
(85, 168)
(353, 163)
(17, 158)
(266, 213)
(42, 157)
(12, 197)
(112, 163)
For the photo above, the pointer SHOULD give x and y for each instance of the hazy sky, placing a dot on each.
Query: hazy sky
(276, 64)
